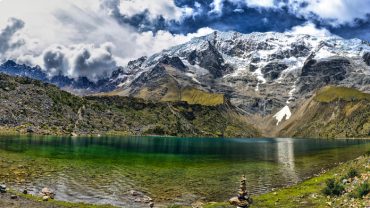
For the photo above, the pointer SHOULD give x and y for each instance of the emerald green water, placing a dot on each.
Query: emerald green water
(169, 170)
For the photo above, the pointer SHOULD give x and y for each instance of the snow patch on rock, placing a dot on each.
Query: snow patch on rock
(283, 113)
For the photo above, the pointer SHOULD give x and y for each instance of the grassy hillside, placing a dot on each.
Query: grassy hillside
(196, 96)
(335, 112)
(31, 106)
(330, 94)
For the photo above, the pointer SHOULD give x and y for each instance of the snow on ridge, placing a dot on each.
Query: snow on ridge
(283, 113)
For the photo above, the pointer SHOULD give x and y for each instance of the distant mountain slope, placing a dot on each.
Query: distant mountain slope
(260, 73)
(80, 85)
(334, 112)
(27, 105)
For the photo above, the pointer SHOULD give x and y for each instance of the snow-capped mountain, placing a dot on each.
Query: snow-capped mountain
(260, 73)
(263, 74)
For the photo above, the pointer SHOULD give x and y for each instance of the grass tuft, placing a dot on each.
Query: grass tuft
(333, 188)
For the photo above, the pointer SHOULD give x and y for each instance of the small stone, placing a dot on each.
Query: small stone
(25, 191)
(45, 198)
(2, 189)
(13, 196)
(147, 199)
(151, 205)
(197, 204)
(137, 200)
(45, 191)
(134, 193)
(344, 181)
(314, 196)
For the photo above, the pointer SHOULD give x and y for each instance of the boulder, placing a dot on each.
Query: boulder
(273, 70)
(175, 62)
(213, 61)
(366, 58)
(318, 73)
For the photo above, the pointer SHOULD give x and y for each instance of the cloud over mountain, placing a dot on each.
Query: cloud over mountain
(75, 39)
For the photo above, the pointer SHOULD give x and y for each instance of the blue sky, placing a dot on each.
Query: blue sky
(92, 37)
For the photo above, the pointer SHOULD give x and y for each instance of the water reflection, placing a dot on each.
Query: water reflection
(285, 156)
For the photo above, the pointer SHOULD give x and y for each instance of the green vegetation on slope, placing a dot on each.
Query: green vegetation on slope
(330, 94)
(195, 96)
(190, 95)
(335, 112)
(30, 106)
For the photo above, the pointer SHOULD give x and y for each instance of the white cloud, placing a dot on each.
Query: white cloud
(333, 12)
(260, 3)
(71, 37)
(309, 29)
(166, 8)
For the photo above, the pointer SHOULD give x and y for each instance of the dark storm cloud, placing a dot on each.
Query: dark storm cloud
(93, 62)
(7, 34)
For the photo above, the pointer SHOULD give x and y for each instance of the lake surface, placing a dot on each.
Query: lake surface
(169, 170)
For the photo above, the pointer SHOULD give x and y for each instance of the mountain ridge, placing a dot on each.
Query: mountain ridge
(261, 74)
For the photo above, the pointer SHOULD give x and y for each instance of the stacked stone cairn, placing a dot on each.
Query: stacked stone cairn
(243, 200)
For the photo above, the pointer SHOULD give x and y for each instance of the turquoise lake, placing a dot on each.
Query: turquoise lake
(107, 170)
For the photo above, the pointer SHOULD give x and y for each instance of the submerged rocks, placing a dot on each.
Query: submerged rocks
(134, 193)
(2, 188)
(47, 193)
(25, 191)
(139, 197)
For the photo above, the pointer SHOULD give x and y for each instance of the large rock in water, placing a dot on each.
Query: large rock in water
(318, 73)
